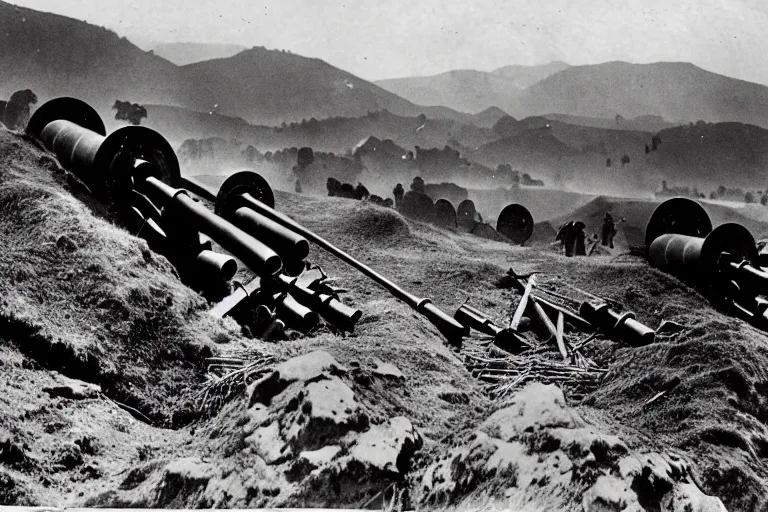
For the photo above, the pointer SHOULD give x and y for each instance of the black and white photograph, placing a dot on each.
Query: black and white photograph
(394, 255)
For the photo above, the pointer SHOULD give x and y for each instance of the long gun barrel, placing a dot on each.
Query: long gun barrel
(246, 189)
(137, 159)
(253, 253)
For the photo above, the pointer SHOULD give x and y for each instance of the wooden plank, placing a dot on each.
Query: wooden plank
(559, 336)
(523, 303)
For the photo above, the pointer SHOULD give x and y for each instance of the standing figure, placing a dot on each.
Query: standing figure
(398, 192)
(580, 236)
(608, 231)
(567, 236)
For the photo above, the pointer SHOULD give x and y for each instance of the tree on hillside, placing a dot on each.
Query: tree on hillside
(17, 110)
(655, 141)
(764, 199)
(608, 162)
(647, 149)
(624, 159)
(131, 112)
(749, 197)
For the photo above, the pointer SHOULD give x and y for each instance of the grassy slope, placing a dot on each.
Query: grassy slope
(83, 299)
(715, 414)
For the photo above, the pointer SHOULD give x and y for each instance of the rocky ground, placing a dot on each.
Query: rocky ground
(102, 353)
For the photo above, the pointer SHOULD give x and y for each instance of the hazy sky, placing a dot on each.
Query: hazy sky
(389, 38)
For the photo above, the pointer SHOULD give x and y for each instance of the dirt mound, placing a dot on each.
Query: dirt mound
(306, 427)
(544, 204)
(84, 299)
(536, 452)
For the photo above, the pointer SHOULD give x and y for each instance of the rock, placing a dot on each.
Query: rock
(388, 447)
(69, 456)
(536, 406)
(268, 444)
(74, 390)
(668, 327)
(387, 370)
(183, 478)
(610, 494)
(308, 367)
(326, 410)
(13, 454)
(537, 450)
(65, 243)
(689, 498)
(321, 457)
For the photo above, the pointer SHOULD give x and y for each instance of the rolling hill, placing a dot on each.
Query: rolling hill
(645, 123)
(335, 134)
(677, 91)
(182, 54)
(470, 90)
(730, 154)
(54, 55)
(57, 56)
(268, 87)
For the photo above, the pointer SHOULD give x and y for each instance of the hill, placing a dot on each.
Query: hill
(677, 91)
(521, 77)
(335, 134)
(56, 56)
(182, 54)
(464, 90)
(469, 90)
(269, 87)
(259, 85)
(710, 155)
(95, 325)
(640, 123)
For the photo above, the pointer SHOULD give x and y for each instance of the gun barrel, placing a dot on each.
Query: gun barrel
(471, 319)
(216, 265)
(288, 244)
(329, 308)
(449, 327)
(619, 325)
(254, 254)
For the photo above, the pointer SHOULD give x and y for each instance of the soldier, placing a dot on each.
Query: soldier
(580, 237)
(569, 238)
(398, 192)
(608, 231)
(566, 236)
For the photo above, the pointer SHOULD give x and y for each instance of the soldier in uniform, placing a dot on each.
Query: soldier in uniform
(609, 230)
(567, 236)
(398, 192)
(580, 248)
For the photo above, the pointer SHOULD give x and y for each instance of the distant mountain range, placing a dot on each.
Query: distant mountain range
(677, 91)
(182, 54)
(336, 134)
(559, 122)
(469, 90)
(55, 55)
(657, 95)
(58, 56)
